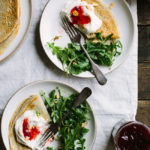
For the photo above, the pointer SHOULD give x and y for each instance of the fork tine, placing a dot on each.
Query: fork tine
(42, 143)
(45, 133)
(67, 28)
(46, 138)
(71, 26)
(70, 29)
(50, 136)
(64, 23)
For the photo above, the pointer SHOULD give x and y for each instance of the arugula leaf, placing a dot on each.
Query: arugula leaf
(71, 130)
(37, 113)
(49, 148)
(102, 51)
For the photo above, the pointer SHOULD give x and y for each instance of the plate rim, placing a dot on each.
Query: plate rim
(23, 39)
(50, 81)
(109, 71)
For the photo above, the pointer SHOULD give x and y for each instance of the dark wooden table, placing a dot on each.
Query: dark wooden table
(144, 61)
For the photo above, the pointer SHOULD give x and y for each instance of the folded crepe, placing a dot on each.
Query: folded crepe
(9, 22)
(34, 102)
(109, 23)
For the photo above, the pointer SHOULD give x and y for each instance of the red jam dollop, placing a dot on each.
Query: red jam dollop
(30, 133)
(131, 137)
(78, 17)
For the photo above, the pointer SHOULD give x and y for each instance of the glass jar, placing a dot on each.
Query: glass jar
(131, 135)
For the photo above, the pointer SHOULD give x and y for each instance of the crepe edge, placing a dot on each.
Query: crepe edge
(109, 9)
(16, 24)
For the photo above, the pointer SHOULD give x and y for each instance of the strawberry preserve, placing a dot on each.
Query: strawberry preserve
(132, 136)
(31, 133)
(78, 17)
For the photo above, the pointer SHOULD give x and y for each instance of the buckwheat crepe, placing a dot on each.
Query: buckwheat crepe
(6, 43)
(109, 23)
(34, 102)
(9, 22)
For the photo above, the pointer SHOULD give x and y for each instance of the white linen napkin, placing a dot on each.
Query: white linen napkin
(111, 103)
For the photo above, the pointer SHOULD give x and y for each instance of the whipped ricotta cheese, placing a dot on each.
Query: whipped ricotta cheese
(29, 128)
(90, 26)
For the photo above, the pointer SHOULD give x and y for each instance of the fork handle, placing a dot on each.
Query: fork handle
(84, 94)
(96, 71)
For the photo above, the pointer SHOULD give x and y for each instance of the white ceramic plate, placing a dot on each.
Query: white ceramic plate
(34, 88)
(50, 27)
(25, 19)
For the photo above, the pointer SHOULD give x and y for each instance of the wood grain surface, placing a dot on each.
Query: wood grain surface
(144, 12)
(143, 113)
(144, 81)
(144, 43)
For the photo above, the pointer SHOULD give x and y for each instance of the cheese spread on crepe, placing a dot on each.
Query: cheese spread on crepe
(29, 128)
(27, 107)
(72, 8)
(103, 12)
(9, 22)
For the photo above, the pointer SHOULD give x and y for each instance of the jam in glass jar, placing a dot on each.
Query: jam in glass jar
(131, 135)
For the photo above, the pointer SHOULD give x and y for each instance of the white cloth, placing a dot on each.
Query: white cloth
(111, 103)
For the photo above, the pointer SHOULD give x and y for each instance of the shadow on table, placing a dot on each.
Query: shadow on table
(110, 145)
(2, 147)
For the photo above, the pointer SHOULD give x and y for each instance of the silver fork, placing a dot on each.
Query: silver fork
(77, 37)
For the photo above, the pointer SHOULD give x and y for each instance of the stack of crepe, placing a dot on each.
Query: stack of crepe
(9, 22)
(34, 102)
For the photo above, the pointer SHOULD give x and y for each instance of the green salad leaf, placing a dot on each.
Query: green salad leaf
(49, 148)
(73, 128)
(102, 51)
(37, 113)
